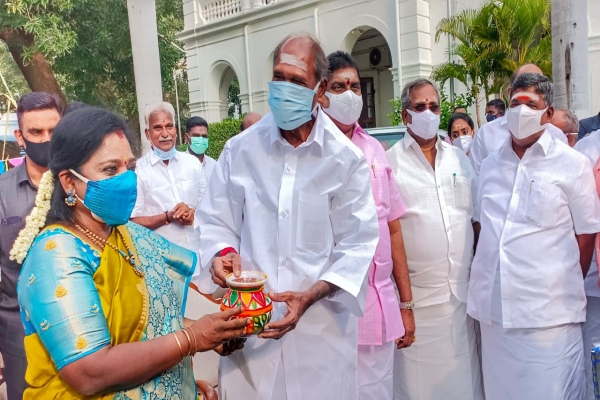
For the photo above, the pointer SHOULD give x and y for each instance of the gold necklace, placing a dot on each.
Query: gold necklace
(102, 243)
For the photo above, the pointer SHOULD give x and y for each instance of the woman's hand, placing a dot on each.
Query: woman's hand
(212, 330)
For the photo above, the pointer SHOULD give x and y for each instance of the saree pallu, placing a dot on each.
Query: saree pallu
(75, 300)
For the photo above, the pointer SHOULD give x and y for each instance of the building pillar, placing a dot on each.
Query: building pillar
(396, 80)
(256, 3)
(190, 14)
(570, 55)
(209, 110)
(146, 58)
(415, 39)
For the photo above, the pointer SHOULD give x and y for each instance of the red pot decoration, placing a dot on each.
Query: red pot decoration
(247, 291)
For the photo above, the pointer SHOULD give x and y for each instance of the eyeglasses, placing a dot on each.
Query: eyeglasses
(434, 108)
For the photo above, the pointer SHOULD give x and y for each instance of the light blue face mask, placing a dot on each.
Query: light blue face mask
(291, 104)
(110, 200)
(198, 144)
(164, 155)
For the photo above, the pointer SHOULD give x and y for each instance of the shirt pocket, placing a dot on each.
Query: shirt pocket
(460, 187)
(541, 204)
(313, 226)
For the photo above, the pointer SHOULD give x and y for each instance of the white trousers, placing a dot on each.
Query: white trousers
(443, 362)
(533, 363)
(591, 335)
(526, 364)
(375, 372)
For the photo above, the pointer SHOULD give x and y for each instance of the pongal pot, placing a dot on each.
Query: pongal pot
(247, 291)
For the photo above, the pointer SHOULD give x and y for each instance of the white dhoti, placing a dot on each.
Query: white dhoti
(443, 362)
(533, 363)
(591, 335)
(375, 372)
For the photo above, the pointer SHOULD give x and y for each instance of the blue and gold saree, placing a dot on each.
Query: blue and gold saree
(76, 299)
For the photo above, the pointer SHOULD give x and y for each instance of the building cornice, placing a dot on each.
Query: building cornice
(243, 18)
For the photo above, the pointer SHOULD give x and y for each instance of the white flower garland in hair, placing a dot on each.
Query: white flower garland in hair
(35, 220)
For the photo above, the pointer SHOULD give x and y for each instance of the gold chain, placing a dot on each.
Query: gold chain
(102, 243)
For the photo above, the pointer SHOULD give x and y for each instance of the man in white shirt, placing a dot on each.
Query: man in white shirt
(492, 135)
(196, 136)
(170, 183)
(590, 147)
(437, 183)
(293, 196)
(539, 216)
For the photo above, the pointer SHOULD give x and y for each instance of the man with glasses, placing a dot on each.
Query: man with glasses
(437, 183)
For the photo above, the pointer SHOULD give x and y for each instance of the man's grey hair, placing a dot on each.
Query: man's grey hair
(156, 107)
(541, 86)
(321, 63)
(408, 88)
(572, 125)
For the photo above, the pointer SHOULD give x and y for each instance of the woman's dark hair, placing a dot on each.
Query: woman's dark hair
(456, 117)
(75, 139)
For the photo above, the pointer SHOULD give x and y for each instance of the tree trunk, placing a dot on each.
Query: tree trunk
(570, 55)
(37, 72)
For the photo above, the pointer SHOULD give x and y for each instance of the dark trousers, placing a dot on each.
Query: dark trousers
(13, 354)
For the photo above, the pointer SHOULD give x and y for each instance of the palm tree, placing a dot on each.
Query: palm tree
(493, 41)
(475, 73)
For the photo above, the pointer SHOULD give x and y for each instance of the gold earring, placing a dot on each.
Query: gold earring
(70, 200)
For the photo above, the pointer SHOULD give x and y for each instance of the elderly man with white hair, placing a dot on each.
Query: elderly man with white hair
(170, 183)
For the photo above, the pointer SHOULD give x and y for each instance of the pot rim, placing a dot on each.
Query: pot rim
(261, 279)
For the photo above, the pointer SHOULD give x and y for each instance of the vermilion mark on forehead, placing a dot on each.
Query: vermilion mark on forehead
(523, 98)
(120, 134)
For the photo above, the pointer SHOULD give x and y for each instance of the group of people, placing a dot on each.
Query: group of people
(479, 247)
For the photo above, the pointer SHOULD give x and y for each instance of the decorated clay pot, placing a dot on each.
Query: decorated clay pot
(247, 291)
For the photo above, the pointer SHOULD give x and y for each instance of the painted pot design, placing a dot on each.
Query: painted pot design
(247, 291)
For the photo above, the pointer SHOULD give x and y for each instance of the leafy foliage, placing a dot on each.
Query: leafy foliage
(492, 41)
(87, 43)
(233, 98)
(395, 116)
(220, 132)
(16, 84)
(447, 107)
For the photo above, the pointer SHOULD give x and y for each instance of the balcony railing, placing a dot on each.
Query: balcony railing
(215, 10)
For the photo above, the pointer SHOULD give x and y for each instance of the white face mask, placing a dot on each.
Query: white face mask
(344, 108)
(463, 142)
(424, 124)
(524, 122)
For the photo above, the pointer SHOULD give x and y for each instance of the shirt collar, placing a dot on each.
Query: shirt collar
(543, 142)
(316, 134)
(155, 159)
(22, 175)
(409, 141)
(503, 120)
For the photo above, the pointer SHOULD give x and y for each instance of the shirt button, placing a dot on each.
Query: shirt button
(272, 362)
(288, 168)
(439, 186)
(283, 214)
(283, 262)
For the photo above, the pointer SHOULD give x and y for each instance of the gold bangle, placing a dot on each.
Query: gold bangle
(187, 335)
(194, 337)
(179, 344)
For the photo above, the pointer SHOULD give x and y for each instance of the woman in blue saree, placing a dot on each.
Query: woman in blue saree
(102, 299)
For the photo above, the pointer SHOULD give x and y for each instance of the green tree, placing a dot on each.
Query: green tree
(233, 98)
(88, 43)
(492, 41)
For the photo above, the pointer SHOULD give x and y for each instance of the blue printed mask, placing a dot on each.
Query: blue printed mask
(198, 144)
(490, 117)
(164, 155)
(291, 104)
(111, 200)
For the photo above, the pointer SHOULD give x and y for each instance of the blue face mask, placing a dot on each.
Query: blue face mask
(291, 104)
(490, 117)
(198, 144)
(111, 200)
(164, 155)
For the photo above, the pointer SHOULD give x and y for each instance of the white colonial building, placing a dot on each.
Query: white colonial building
(392, 41)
